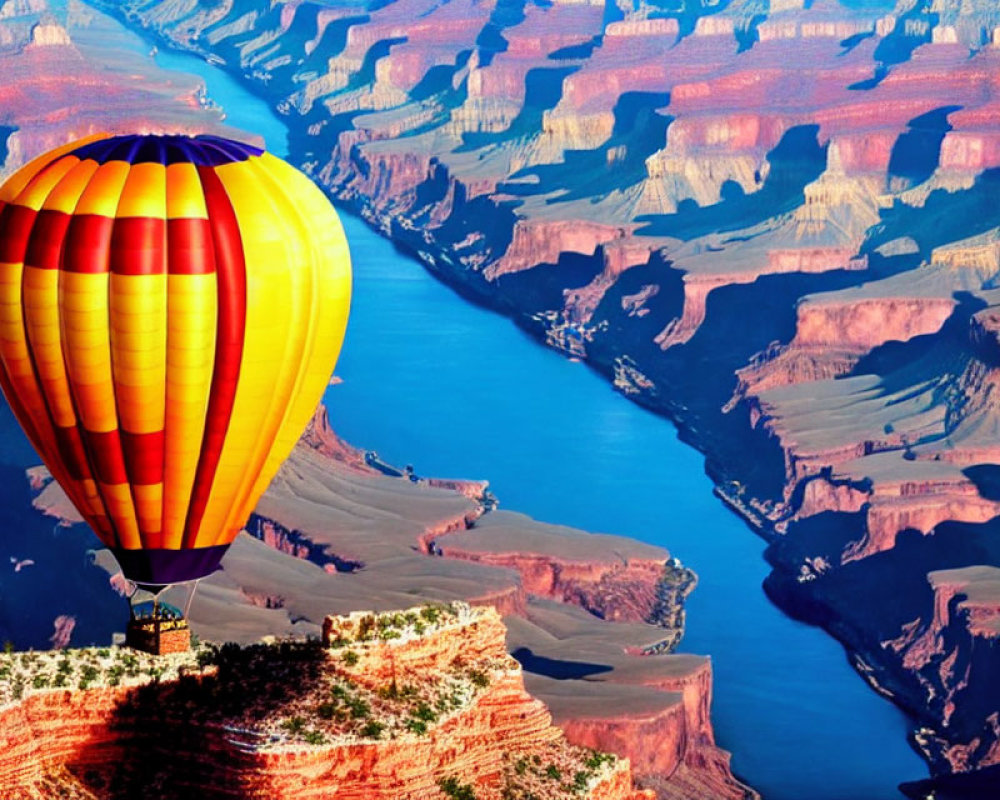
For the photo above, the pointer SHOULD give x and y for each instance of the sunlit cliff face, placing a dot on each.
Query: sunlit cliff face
(404, 702)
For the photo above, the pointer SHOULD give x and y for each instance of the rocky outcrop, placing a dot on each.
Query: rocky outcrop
(611, 577)
(55, 729)
(488, 728)
(949, 652)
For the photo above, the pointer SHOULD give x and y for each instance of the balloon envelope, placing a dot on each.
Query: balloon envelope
(171, 309)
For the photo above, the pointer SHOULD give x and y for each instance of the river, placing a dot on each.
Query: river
(458, 391)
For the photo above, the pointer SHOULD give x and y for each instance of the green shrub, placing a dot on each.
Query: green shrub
(205, 657)
(417, 726)
(390, 692)
(350, 658)
(455, 790)
(359, 708)
(366, 628)
(294, 725)
(314, 737)
(597, 759)
(328, 710)
(479, 678)
(372, 729)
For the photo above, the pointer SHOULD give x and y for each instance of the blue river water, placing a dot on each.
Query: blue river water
(458, 391)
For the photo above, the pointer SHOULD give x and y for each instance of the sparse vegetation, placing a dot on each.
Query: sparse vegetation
(394, 625)
(455, 790)
(479, 678)
(359, 708)
(314, 737)
(416, 726)
(294, 725)
(597, 759)
(298, 693)
(547, 777)
(87, 668)
(424, 712)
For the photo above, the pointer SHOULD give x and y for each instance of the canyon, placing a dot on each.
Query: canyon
(774, 225)
(336, 534)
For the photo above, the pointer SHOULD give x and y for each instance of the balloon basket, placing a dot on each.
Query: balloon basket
(157, 628)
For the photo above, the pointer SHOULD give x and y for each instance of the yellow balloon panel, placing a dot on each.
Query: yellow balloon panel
(171, 309)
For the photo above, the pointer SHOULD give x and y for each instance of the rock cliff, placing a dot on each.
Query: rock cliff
(429, 705)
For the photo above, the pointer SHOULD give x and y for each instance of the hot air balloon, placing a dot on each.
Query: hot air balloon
(171, 309)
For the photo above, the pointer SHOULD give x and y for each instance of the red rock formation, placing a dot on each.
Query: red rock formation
(918, 506)
(542, 242)
(940, 650)
(625, 591)
(57, 727)
(84, 731)
(321, 437)
(628, 734)
(865, 323)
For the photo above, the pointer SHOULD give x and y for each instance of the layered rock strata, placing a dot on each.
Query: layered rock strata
(422, 709)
